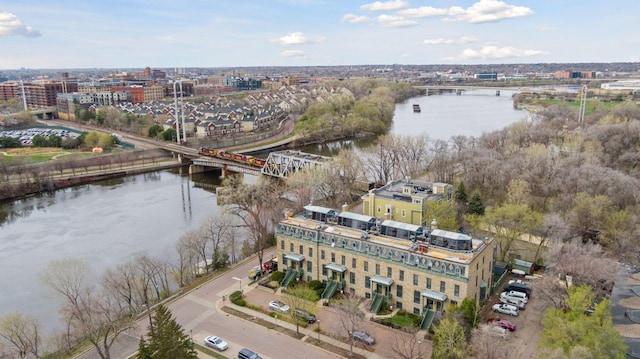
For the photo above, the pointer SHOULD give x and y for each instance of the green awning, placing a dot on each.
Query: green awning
(294, 257)
(382, 280)
(432, 294)
(336, 267)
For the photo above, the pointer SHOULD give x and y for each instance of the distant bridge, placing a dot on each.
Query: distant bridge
(459, 89)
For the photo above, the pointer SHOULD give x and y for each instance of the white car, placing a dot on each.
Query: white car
(505, 309)
(215, 342)
(278, 306)
(512, 301)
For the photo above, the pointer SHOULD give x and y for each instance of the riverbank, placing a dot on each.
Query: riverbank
(70, 177)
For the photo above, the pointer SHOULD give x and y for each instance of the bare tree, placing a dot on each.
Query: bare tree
(585, 263)
(22, 332)
(487, 346)
(216, 230)
(258, 206)
(351, 317)
(196, 241)
(186, 267)
(408, 345)
(95, 315)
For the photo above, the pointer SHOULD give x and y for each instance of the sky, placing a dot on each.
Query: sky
(221, 33)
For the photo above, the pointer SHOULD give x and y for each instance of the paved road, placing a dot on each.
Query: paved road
(198, 313)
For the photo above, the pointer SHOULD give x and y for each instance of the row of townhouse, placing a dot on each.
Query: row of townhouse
(388, 254)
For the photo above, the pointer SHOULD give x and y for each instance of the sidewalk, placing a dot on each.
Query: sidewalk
(308, 333)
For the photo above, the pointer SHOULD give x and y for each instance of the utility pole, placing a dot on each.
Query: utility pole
(583, 104)
(175, 105)
(184, 131)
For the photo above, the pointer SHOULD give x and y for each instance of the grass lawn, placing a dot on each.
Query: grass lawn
(403, 319)
(41, 154)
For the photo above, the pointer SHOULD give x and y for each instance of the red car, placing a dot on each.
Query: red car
(502, 323)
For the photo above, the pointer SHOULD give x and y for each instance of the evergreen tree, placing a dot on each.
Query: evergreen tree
(167, 340)
(475, 205)
(143, 350)
(460, 194)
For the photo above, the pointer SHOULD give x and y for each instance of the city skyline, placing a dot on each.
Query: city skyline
(163, 34)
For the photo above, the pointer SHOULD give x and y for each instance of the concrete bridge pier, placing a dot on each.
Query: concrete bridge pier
(193, 169)
(458, 92)
(497, 92)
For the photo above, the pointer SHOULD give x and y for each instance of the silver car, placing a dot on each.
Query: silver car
(363, 337)
(215, 342)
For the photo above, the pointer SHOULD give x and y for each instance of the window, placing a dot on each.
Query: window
(343, 260)
(282, 245)
(428, 283)
(416, 311)
(291, 247)
(443, 286)
(322, 254)
(367, 295)
(416, 296)
(377, 269)
(310, 251)
(454, 302)
(324, 270)
(415, 279)
(309, 268)
(456, 290)
(404, 213)
(333, 257)
(301, 249)
(379, 209)
(399, 304)
(389, 272)
(366, 266)
(353, 262)
(367, 282)
(476, 281)
(399, 291)
(401, 275)
(352, 278)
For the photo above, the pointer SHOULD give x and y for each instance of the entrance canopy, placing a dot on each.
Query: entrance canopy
(432, 294)
(382, 280)
(294, 257)
(336, 267)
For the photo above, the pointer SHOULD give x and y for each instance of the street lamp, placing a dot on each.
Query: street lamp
(239, 282)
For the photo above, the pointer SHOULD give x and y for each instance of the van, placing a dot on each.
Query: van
(248, 354)
(523, 288)
(515, 294)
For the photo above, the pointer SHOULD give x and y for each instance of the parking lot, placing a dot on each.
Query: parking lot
(26, 135)
(523, 342)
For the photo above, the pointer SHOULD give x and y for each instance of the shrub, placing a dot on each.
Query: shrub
(277, 276)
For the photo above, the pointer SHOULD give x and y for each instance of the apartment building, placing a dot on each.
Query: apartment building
(405, 200)
(415, 268)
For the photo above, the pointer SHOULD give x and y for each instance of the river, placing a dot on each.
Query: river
(109, 222)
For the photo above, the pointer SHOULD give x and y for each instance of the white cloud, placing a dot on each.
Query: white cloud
(385, 5)
(292, 38)
(440, 41)
(355, 19)
(11, 25)
(494, 52)
(482, 11)
(547, 28)
(394, 21)
(292, 53)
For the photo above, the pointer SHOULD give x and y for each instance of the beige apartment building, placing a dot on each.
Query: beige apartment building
(418, 269)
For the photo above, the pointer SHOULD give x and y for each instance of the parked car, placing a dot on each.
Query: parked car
(304, 315)
(512, 301)
(505, 309)
(519, 288)
(503, 323)
(248, 354)
(364, 337)
(278, 306)
(215, 342)
(515, 294)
